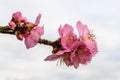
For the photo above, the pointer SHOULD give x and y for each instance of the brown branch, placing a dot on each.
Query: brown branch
(6, 30)
(46, 42)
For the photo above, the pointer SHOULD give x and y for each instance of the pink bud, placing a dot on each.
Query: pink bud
(19, 35)
(12, 24)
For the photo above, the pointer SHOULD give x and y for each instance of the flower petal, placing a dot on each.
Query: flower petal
(62, 52)
(39, 30)
(32, 39)
(76, 62)
(18, 16)
(37, 21)
(92, 46)
(82, 29)
(36, 33)
(67, 29)
(51, 58)
(60, 31)
(29, 42)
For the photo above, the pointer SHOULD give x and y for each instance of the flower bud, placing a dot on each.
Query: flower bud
(12, 25)
(19, 35)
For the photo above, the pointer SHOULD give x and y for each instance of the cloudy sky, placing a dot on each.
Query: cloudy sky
(102, 16)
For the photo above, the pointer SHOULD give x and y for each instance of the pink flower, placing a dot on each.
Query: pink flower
(28, 30)
(67, 36)
(12, 25)
(81, 55)
(87, 37)
(32, 39)
(87, 47)
(18, 17)
(68, 42)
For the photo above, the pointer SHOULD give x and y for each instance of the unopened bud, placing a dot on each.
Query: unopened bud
(19, 35)
(12, 25)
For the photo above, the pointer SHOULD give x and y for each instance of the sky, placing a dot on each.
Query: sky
(102, 16)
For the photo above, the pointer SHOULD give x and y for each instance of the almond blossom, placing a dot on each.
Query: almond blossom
(69, 49)
(87, 37)
(69, 42)
(32, 39)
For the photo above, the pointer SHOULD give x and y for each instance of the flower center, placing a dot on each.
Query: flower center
(80, 52)
(88, 37)
(70, 38)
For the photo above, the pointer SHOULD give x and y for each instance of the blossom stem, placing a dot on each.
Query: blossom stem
(45, 42)
(6, 30)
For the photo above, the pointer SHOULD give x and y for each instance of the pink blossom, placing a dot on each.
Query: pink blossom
(81, 55)
(18, 17)
(87, 47)
(25, 29)
(67, 36)
(68, 42)
(86, 36)
(32, 39)
(12, 25)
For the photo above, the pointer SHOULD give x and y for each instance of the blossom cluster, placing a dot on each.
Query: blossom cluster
(24, 29)
(75, 50)
(68, 48)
